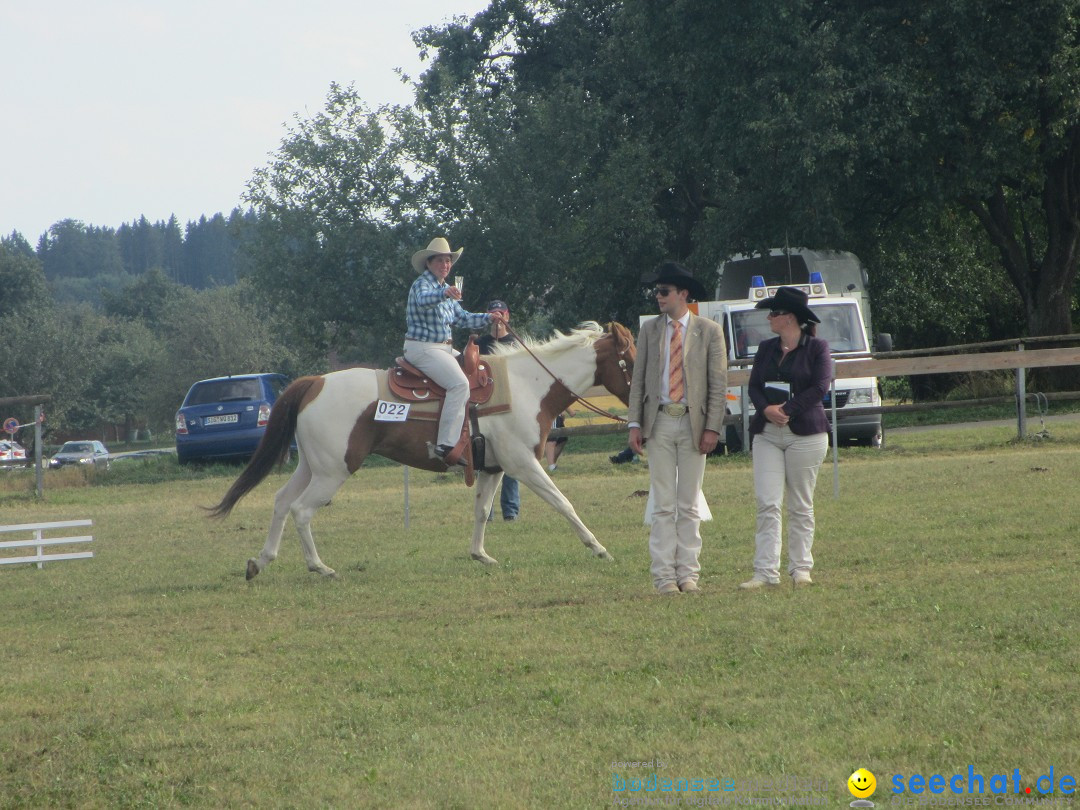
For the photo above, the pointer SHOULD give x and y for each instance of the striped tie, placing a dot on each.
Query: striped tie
(675, 371)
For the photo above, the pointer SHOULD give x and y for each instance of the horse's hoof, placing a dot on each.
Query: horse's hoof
(485, 559)
(252, 569)
(605, 555)
(328, 573)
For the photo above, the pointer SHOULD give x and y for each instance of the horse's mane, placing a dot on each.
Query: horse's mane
(585, 334)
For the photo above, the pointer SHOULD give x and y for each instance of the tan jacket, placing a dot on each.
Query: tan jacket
(704, 372)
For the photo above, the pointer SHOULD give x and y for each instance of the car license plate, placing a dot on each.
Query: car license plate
(224, 419)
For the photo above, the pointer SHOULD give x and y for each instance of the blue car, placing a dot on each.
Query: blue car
(225, 418)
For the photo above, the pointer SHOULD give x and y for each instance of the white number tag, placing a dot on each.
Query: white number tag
(391, 411)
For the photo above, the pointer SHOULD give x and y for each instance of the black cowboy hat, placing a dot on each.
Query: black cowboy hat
(678, 276)
(793, 300)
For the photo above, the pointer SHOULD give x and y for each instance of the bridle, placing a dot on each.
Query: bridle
(620, 353)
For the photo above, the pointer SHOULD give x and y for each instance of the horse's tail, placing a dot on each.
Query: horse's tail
(273, 449)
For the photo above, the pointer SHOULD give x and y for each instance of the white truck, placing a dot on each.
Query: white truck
(836, 285)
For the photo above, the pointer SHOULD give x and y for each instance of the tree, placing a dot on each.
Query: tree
(327, 250)
(72, 249)
(51, 352)
(807, 121)
(214, 333)
(22, 282)
(146, 299)
(120, 386)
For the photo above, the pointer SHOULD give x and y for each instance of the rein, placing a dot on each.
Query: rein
(577, 398)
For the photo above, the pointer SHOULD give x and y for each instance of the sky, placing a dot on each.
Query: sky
(115, 109)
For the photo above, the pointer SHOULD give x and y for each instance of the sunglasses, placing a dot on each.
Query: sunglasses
(663, 292)
(776, 313)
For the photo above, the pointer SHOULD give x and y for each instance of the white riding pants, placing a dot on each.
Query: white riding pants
(785, 464)
(676, 471)
(438, 362)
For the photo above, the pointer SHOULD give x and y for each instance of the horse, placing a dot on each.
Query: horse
(332, 418)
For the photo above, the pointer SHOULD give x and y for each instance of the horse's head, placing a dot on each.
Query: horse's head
(615, 355)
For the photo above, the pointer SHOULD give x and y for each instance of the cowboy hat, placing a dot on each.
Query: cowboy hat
(675, 274)
(437, 247)
(793, 300)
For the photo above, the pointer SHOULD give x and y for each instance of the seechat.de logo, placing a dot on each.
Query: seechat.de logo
(861, 785)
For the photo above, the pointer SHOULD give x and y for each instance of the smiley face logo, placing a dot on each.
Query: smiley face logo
(861, 784)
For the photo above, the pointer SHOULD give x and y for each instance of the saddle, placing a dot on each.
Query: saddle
(410, 384)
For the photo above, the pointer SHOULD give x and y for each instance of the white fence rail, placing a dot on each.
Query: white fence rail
(39, 541)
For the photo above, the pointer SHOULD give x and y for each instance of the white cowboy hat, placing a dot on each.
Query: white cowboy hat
(437, 247)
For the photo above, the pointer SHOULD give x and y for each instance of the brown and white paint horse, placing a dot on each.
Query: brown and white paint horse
(332, 419)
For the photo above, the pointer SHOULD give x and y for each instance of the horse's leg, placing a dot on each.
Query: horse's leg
(283, 500)
(487, 484)
(534, 477)
(317, 493)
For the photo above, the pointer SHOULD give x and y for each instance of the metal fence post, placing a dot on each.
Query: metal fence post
(835, 442)
(38, 460)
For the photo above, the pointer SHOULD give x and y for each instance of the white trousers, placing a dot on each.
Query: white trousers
(785, 465)
(438, 362)
(676, 472)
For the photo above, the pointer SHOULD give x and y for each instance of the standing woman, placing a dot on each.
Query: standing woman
(789, 435)
(431, 311)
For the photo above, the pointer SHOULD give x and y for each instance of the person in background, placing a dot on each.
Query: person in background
(677, 402)
(623, 456)
(789, 435)
(430, 312)
(554, 447)
(510, 496)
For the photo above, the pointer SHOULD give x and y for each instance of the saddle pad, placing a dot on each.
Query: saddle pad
(429, 411)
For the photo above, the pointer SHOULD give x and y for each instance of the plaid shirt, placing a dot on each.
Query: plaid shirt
(429, 314)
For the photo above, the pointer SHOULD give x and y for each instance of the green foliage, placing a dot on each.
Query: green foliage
(750, 126)
(51, 351)
(324, 254)
(210, 334)
(147, 298)
(80, 260)
(72, 249)
(22, 280)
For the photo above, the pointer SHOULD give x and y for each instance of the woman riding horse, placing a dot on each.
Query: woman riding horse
(430, 312)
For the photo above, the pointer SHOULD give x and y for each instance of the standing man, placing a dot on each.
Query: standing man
(510, 498)
(677, 403)
(432, 309)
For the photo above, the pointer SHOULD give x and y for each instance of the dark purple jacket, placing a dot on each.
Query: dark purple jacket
(809, 370)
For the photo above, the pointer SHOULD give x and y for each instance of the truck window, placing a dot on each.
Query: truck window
(751, 326)
(840, 326)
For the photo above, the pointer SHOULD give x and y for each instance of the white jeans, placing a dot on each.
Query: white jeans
(438, 362)
(676, 470)
(785, 464)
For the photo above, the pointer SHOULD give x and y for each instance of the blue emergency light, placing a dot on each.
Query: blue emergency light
(815, 278)
(757, 281)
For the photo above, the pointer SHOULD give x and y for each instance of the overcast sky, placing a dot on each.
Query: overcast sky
(114, 109)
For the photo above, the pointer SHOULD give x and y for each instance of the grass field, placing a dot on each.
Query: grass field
(942, 634)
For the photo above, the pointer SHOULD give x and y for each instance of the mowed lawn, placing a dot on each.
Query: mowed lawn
(941, 634)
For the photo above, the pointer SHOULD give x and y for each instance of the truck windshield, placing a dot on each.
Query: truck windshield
(751, 326)
(840, 326)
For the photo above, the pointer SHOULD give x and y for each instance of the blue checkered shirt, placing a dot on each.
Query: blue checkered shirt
(429, 314)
